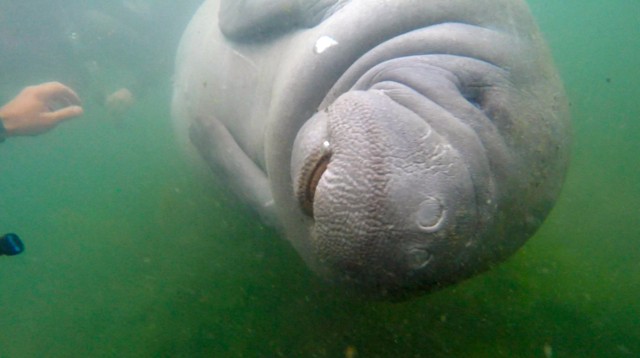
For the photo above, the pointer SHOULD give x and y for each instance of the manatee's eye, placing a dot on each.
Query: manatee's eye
(309, 178)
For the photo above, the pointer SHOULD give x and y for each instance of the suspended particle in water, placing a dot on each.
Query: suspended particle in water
(350, 352)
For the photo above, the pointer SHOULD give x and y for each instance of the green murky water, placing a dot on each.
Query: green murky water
(133, 251)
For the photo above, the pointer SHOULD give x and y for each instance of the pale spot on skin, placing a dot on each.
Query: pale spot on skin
(323, 43)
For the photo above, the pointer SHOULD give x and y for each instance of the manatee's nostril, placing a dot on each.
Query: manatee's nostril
(309, 160)
(312, 183)
(312, 170)
(430, 214)
(418, 258)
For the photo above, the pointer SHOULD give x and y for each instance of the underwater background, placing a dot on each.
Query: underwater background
(134, 250)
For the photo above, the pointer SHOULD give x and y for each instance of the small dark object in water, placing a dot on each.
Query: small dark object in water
(10, 245)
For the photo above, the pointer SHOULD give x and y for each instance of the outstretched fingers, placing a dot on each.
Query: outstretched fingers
(62, 114)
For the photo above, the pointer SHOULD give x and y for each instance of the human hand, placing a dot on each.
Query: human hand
(37, 109)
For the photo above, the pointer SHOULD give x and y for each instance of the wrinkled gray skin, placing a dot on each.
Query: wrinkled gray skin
(401, 145)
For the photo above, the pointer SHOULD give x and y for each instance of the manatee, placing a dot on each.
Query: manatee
(401, 146)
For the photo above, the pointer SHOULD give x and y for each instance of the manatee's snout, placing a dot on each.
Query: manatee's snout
(391, 203)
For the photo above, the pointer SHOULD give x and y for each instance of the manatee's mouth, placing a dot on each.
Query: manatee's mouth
(394, 184)
(354, 164)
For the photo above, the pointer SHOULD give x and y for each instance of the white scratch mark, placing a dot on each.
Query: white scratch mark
(246, 59)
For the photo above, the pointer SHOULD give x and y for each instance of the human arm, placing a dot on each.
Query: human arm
(38, 109)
